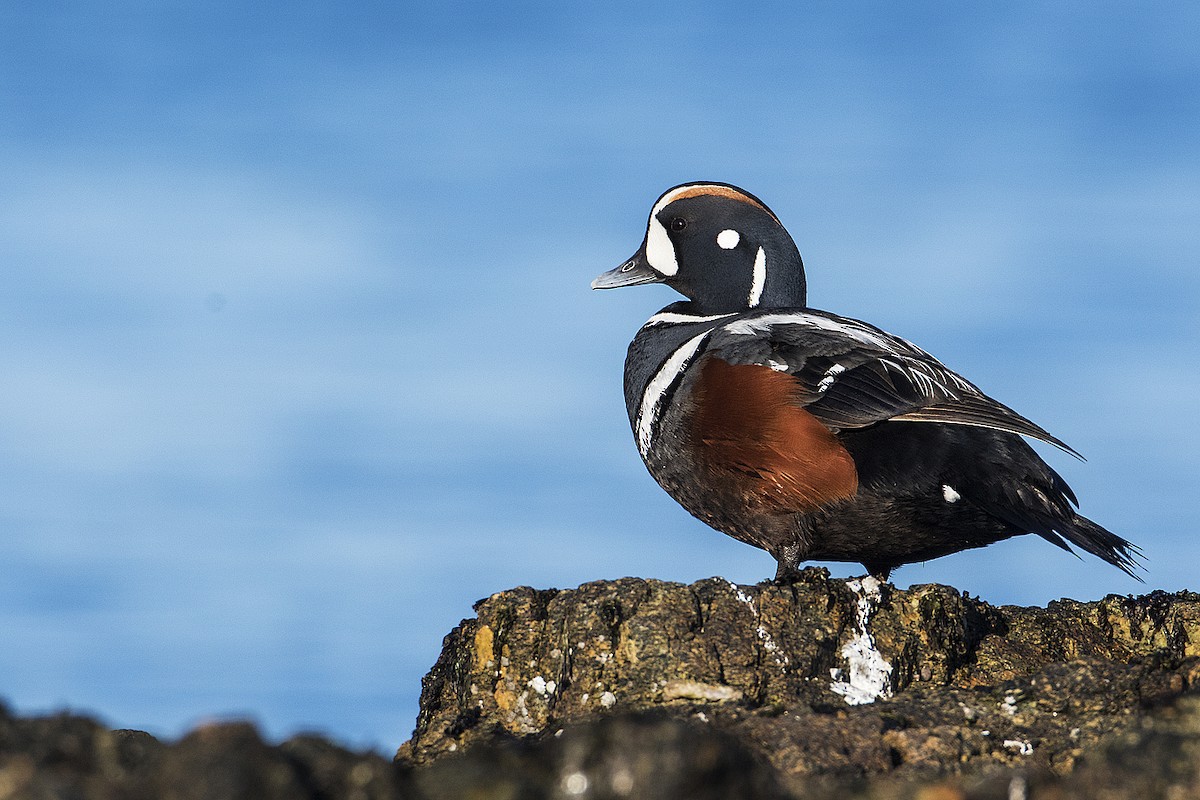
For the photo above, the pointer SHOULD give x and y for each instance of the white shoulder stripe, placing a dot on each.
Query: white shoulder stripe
(757, 325)
(650, 408)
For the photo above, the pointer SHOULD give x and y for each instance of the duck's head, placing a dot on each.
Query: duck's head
(720, 247)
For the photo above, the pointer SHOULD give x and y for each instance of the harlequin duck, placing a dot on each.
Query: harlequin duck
(815, 436)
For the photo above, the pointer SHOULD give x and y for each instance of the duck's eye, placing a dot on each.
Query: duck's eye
(678, 224)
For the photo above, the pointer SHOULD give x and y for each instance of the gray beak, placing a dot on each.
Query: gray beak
(631, 273)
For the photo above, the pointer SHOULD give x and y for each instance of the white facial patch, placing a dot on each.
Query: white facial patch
(728, 239)
(660, 253)
(949, 494)
(760, 278)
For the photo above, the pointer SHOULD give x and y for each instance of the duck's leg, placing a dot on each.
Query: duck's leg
(788, 559)
(878, 571)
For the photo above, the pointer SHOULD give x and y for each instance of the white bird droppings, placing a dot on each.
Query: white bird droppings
(764, 635)
(949, 493)
(869, 673)
(1021, 747)
(728, 239)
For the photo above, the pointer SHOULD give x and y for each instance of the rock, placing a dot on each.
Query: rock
(67, 756)
(618, 756)
(967, 697)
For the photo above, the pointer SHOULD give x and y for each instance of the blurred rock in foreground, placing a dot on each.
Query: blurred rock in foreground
(66, 756)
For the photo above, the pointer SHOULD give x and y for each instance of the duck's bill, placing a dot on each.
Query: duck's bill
(631, 273)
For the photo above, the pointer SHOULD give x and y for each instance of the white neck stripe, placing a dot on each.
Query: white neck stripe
(760, 278)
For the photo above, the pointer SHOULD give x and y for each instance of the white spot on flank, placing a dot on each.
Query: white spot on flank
(949, 493)
(830, 376)
(660, 253)
(778, 366)
(728, 239)
(667, 374)
(870, 673)
(760, 278)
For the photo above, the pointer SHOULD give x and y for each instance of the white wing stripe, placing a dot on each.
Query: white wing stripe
(830, 376)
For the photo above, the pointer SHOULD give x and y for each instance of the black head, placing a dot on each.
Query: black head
(719, 246)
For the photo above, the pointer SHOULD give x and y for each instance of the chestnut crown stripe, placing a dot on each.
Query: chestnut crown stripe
(710, 189)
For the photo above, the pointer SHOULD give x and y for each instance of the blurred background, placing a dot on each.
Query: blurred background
(299, 358)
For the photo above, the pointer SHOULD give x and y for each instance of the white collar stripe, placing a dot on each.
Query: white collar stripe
(651, 407)
(673, 317)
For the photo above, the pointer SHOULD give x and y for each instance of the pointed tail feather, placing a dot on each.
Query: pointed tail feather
(1101, 542)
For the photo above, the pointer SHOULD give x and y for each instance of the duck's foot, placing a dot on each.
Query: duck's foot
(788, 571)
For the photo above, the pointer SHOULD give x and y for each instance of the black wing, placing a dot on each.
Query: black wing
(850, 374)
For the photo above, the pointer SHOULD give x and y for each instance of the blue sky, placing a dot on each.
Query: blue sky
(300, 359)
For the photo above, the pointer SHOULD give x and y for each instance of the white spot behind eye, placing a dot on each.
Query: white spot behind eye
(728, 239)
(949, 494)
